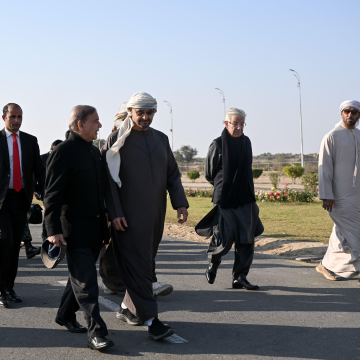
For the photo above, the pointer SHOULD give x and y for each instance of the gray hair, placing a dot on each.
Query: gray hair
(236, 112)
(80, 113)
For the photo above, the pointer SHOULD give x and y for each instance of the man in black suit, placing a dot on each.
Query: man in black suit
(75, 216)
(45, 156)
(32, 251)
(19, 160)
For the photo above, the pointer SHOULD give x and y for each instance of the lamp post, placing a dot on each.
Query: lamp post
(223, 95)
(301, 132)
(172, 126)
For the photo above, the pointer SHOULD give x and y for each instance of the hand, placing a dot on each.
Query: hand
(55, 239)
(182, 211)
(37, 196)
(116, 223)
(328, 205)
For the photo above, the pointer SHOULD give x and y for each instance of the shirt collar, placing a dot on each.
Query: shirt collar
(8, 133)
(74, 136)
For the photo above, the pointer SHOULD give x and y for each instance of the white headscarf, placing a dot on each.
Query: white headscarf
(349, 103)
(121, 115)
(140, 100)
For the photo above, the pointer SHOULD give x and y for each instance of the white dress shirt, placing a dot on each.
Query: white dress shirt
(10, 140)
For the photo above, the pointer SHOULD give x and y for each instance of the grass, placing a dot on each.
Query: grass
(305, 222)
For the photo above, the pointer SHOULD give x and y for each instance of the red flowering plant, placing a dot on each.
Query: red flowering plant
(284, 195)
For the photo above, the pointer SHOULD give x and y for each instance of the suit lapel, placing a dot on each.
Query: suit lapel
(24, 151)
(5, 149)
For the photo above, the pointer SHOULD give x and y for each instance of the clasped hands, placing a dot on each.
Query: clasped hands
(120, 222)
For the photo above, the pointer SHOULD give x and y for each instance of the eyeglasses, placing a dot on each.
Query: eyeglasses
(142, 112)
(239, 125)
(353, 112)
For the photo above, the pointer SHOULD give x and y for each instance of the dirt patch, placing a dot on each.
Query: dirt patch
(282, 247)
(264, 245)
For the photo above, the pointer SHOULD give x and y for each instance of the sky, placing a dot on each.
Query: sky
(56, 55)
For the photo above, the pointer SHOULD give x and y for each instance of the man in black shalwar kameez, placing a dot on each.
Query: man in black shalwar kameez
(141, 168)
(235, 215)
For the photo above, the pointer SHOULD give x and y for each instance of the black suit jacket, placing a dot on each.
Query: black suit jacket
(74, 193)
(31, 163)
(44, 158)
(37, 187)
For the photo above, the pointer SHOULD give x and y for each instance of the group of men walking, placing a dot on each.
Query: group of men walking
(126, 184)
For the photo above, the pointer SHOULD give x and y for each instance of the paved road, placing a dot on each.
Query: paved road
(296, 315)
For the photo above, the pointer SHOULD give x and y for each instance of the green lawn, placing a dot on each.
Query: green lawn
(306, 222)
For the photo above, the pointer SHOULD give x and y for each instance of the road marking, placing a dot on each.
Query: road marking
(109, 304)
(174, 339)
(302, 263)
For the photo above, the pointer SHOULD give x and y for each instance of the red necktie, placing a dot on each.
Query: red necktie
(16, 164)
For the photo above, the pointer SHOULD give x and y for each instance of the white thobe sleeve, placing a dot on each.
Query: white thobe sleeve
(326, 168)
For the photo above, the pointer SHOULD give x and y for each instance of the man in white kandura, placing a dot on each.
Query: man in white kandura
(339, 189)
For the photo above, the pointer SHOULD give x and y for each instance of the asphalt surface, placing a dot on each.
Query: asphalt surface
(297, 314)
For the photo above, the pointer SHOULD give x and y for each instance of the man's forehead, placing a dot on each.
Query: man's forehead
(350, 108)
(14, 110)
(237, 118)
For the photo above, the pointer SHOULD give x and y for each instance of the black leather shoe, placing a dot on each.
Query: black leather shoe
(99, 343)
(127, 316)
(72, 326)
(32, 251)
(244, 284)
(158, 331)
(12, 296)
(210, 273)
(4, 302)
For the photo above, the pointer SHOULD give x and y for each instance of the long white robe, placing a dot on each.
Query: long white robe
(339, 181)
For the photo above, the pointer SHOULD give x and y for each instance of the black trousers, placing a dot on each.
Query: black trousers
(13, 217)
(82, 290)
(244, 255)
(134, 261)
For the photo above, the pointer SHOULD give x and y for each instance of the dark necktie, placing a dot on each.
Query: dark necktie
(16, 165)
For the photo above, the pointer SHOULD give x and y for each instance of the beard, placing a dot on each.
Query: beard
(350, 122)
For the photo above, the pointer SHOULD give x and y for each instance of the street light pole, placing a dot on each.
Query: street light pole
(223, 95)
(301, 131)
(172, 125)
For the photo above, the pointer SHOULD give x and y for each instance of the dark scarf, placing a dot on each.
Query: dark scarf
(235, 162)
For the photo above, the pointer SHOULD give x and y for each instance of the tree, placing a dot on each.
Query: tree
(280, 158)
(193, 175)
(274, 179)
(185, 154)
(178, 157)
(293, 172)
(96, 143)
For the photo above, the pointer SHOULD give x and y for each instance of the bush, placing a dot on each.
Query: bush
(257, 173)
(193, 175)
(310, 182)
(274, 179)
(293, 172)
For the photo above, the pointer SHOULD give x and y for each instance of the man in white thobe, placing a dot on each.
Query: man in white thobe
(339, 189)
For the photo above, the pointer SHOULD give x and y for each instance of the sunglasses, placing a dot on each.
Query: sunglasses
(142, 112)
(353, 112)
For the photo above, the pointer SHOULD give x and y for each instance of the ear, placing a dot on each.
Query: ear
(3, 116)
